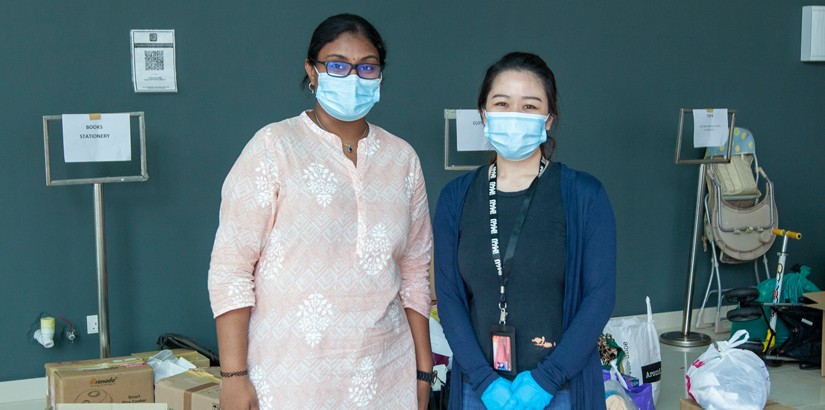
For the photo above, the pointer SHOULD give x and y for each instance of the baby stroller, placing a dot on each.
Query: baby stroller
(804, 324)
(739, 217)
(804, 340)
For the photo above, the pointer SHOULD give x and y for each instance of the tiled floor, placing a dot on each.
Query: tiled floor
(790, 385)
(801, 389)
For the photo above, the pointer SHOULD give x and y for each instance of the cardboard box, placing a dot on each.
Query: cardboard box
(689, 404)
(819, 303)
(196, 389)
(52, 367)
(192, 356)
(110, 406)
(112, 380)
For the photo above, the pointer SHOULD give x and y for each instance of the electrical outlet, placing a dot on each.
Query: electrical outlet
(91, 324)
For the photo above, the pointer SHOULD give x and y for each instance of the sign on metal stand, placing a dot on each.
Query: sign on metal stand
(684, 337)
(96, 150)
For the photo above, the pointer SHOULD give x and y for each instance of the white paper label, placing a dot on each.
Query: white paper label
(97, 137)
(470, 131)
(710, 127)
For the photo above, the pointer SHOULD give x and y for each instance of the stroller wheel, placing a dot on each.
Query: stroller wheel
(773, 363)
(745, 314)
(741, 295)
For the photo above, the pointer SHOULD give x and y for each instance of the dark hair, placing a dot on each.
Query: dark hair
(520, 61)
(334, 26)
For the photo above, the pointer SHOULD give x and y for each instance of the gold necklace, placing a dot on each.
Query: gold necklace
(349, 146)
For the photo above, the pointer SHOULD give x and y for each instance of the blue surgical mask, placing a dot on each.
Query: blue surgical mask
(347, 98)
(515, 135)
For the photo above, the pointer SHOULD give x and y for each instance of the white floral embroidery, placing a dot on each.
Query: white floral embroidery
(362, 386)
(273, 262)
(375, 252)
(408, 184)
(419, 283)
(255, 374)
(371, 147)
(265, 399)
(265, 182)
(395, 317)
(321, 183)
(314, 317)
(237, 290)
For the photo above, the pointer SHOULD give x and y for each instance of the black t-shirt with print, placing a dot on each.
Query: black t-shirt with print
(535, 288)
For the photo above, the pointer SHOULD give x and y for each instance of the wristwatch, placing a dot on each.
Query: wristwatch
(424, 376)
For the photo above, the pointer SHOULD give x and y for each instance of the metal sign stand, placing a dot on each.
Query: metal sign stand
(686, 338)
(450, 114)
(100, 230)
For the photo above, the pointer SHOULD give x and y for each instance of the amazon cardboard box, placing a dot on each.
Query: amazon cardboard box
(190, 355)
(196, 389)
(819, 303)
(690, 404)
(112, 380)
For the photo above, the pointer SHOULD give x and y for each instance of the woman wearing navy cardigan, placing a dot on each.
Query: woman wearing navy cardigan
(525, 258)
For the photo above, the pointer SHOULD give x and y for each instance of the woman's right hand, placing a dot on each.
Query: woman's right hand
(497, 394)
(237, 393)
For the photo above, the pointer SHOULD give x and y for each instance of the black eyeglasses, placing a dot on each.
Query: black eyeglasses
(343, 69)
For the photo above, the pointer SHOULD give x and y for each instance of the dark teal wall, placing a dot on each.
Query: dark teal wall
(624, 70)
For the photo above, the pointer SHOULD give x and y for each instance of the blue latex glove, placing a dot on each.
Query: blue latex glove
(497, 394)
(527, 394)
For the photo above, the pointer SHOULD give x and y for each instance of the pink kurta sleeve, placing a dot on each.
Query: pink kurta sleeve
(247, 213)
(415, 264)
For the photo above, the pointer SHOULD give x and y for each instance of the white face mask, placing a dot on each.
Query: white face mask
(347, 98)
(515, 135)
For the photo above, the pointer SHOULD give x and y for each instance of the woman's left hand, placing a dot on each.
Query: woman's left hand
(423, 394)
(527, 394)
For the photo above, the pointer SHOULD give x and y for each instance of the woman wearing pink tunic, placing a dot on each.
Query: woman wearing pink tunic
(319, 274)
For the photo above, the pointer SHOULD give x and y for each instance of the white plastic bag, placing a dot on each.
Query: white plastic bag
(165, 364)
(728, 378)
(640, 342)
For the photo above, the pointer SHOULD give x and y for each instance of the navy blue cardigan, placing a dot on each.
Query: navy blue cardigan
(589, 294)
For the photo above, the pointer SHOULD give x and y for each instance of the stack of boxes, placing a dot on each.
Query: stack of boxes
(129, 379)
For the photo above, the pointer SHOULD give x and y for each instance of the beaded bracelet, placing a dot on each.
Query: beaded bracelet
(233, 374)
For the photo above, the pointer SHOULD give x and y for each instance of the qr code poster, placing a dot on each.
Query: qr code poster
(153, 61)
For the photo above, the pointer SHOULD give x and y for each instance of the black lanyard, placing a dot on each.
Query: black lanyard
(503, 269)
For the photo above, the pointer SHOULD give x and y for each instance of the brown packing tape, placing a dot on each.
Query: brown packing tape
(113, 364)
(204, 375)
(189, 355)
(187, 394)
(94, 117)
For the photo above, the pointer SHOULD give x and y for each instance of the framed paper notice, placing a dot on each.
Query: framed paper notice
(94, 148)
(471, 148)
(708, 126)
(153, 61)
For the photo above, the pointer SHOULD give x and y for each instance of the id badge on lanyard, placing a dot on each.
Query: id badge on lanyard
(503, 337)
(504, 349)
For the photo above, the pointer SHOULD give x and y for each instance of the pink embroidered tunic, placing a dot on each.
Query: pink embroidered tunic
(328, 255)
